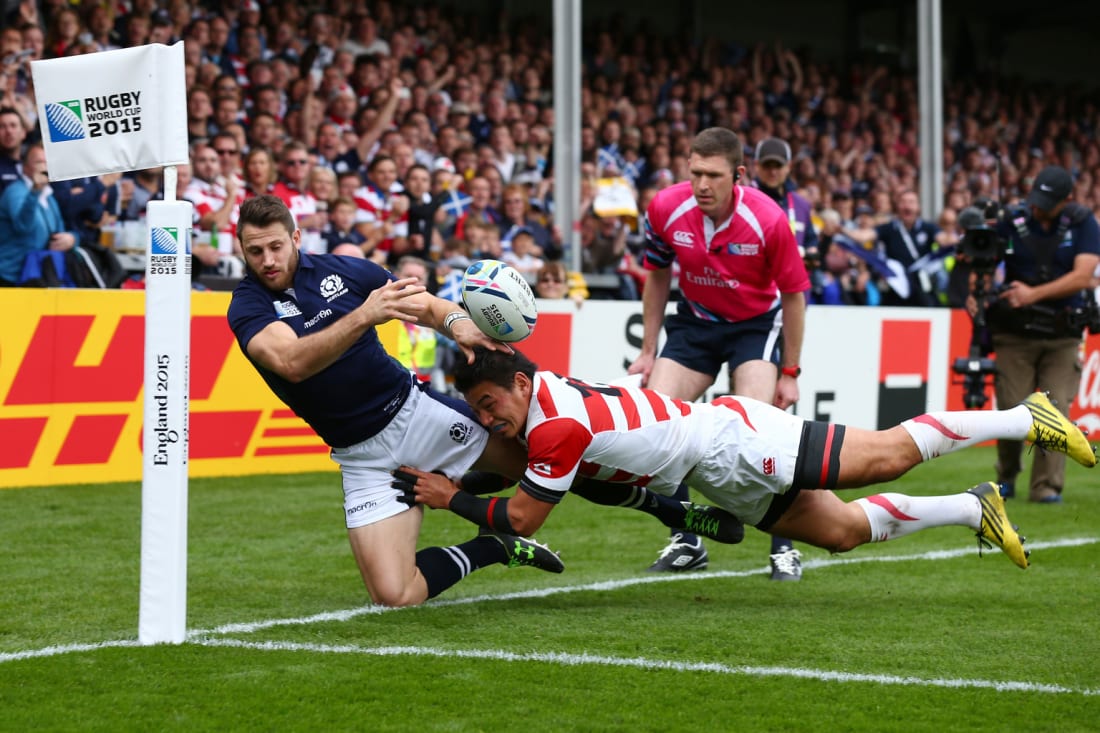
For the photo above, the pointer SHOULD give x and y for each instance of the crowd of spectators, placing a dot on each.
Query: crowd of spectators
(394, 129)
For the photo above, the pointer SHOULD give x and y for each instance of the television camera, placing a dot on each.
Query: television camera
(980, 250)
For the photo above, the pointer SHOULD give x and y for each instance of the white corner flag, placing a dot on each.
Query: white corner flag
(119, 111)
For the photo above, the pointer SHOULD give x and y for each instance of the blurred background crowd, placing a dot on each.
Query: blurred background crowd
(420, 130)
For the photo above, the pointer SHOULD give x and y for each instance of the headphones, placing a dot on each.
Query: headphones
(736, 177)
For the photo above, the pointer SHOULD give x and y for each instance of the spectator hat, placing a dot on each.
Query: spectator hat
(443, 163)
(460, 108)
(773, 148)
(1052, 186)
(250, 6)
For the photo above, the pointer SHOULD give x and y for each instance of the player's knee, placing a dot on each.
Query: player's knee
(841, 537)
(393, 596)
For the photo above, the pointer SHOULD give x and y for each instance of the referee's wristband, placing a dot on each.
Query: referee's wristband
(791, 371)
(453, 317)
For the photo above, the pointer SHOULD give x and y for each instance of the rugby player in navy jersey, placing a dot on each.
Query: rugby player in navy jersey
(307, 323)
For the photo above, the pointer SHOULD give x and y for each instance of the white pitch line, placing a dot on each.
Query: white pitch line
(199, 636)
(605, 585)
(577, 660)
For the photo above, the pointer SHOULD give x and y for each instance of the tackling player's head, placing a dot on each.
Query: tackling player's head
(269, 240)
(498, 386)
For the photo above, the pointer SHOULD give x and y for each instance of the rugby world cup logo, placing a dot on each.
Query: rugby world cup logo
(65, 121)
(164, 240)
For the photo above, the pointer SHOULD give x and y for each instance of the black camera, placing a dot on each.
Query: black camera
(981, 250)
(980, 246)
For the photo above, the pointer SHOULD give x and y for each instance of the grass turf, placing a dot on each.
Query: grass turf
(913, 644)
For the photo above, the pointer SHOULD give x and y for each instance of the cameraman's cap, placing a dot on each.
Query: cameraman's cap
(773, 148)
(1052, 186)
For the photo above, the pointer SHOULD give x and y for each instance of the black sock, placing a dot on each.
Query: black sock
(442, 567)
(668, 510)
(683, 495)
(779, 544)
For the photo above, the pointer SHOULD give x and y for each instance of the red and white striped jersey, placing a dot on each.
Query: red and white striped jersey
(618, 434)
(208, 196)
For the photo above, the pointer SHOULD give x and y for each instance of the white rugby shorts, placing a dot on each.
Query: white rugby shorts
(751, 458)
(426, 433)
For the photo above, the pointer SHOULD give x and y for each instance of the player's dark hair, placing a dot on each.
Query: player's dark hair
(496, 367)
(715, 141)
(264, 210)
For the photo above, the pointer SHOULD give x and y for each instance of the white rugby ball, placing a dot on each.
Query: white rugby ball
(499, 300)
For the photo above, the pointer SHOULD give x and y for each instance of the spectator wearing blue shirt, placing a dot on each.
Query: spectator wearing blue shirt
(12, 135)
(30, 219)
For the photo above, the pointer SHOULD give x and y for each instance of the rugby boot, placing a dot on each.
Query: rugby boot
(526, 551)
(1051, 430)
(995, 527)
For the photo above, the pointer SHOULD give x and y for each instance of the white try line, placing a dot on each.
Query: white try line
(605, 585)
(202, 636)
(577, 660)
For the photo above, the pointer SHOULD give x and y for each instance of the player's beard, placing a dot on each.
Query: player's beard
(291, 268)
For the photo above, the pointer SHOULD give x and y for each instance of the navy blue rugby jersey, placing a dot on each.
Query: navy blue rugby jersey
(356, 396)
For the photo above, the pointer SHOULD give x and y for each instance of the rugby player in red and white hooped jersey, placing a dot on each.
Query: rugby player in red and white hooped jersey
(742, 281)
(770, 468)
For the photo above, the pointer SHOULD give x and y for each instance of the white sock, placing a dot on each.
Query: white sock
(937, 433)
(896, 515)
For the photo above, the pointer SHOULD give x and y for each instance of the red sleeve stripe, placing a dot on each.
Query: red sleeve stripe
(685, 407)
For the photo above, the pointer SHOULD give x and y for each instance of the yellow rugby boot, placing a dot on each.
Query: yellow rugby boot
(996, 529)
(1051, 430)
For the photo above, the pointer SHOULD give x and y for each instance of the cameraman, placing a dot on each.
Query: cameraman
(1051, 248)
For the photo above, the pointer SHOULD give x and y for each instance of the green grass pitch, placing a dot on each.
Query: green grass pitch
(919, 634)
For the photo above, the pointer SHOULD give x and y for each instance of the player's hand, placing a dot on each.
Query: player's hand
(642, 365)
(430, 489)
(467, 335)
(391, 302)
(786, 392)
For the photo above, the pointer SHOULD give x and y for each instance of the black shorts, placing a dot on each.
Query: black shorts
(818, 467)
(705, 345)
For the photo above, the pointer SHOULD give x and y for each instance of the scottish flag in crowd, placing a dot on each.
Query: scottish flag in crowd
(456, 204)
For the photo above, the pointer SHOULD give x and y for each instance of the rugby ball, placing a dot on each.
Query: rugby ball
(499, 300)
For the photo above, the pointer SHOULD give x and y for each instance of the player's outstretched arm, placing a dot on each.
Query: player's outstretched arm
(521, 514)
(295, 358)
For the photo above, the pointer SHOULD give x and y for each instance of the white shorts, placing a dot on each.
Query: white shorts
(750, 460)
(426, 433)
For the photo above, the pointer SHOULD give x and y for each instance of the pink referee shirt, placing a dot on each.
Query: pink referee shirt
(730, 272)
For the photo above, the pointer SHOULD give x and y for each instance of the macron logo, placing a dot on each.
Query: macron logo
(683, 238)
